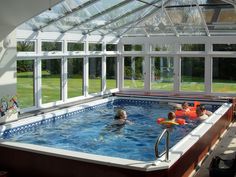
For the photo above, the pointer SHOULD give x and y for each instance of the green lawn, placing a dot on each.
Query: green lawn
(51, 87)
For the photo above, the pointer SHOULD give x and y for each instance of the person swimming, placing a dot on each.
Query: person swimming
(119, 121)
(120, 117)
(201, 113)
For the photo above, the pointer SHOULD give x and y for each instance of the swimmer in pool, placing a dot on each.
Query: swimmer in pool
(121, 118)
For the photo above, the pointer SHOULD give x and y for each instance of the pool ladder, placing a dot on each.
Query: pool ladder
(165, 131)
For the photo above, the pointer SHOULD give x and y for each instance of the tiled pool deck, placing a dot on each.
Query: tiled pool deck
(225, 148)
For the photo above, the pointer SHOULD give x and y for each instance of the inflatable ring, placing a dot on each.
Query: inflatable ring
(159, 120)
(169, 122)
(192, 115)
(166, 122)
(180, 113)
(181, 121)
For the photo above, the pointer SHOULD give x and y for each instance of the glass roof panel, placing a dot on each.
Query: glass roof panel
(157, 23)
(187, 20)
(220, 19)
(47, 16)
(109, 17)
(130, 18)
(82, 15)
(56, 12)
(137, 31)
(179, 17)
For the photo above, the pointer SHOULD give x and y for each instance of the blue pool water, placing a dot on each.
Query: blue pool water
(90, 131)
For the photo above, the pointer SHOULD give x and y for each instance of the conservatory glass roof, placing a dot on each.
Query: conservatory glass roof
(138, 17)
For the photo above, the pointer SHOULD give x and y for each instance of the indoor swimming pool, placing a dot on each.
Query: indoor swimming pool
(84, 136)
(92, 131)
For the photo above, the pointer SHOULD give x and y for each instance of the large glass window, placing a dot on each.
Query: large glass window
(224, 47)
(95, 47)
(25, 46)
(224, 75)
(192, 74)
(111, 75)
(51, 80)
(95, 75)
(73, 46)
(134, 72)
(133, 47)
(111, 47)
(162, 69)
(193, 47)
(162, 47)
(75, 77)
(51, 46)
(25, 83)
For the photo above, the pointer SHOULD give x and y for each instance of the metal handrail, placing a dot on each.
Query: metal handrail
(165, 131)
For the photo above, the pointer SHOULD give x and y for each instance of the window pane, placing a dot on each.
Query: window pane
(127, 47)
(130, 47)
(51, 80)
(111, 47)
(95, 47)
(95, 73)
(51, 46)
(25, 83)
(193, 47)
(25, 46)
(72, 46)
(224, 75)
(75, 77)
(192, 74)
(162, 47)
(111, 75)
(162, 73)
(133, 72)
(224, 47)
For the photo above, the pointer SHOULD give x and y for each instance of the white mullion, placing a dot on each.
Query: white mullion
(64, 79)
(38, 83)
(208, 74)
(86, 67)
(117, 74)
(103, 75)
(208, 69)
(147, 68)
(120, 70)
(38, 76)
(86, 76)
(177, 70)
(64, 73)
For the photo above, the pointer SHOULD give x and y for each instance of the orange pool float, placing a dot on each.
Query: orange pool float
(181, 121)
(164, 121)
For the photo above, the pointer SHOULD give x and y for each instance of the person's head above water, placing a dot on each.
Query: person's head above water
(171, 116)
(185, 105)
(121, 114)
